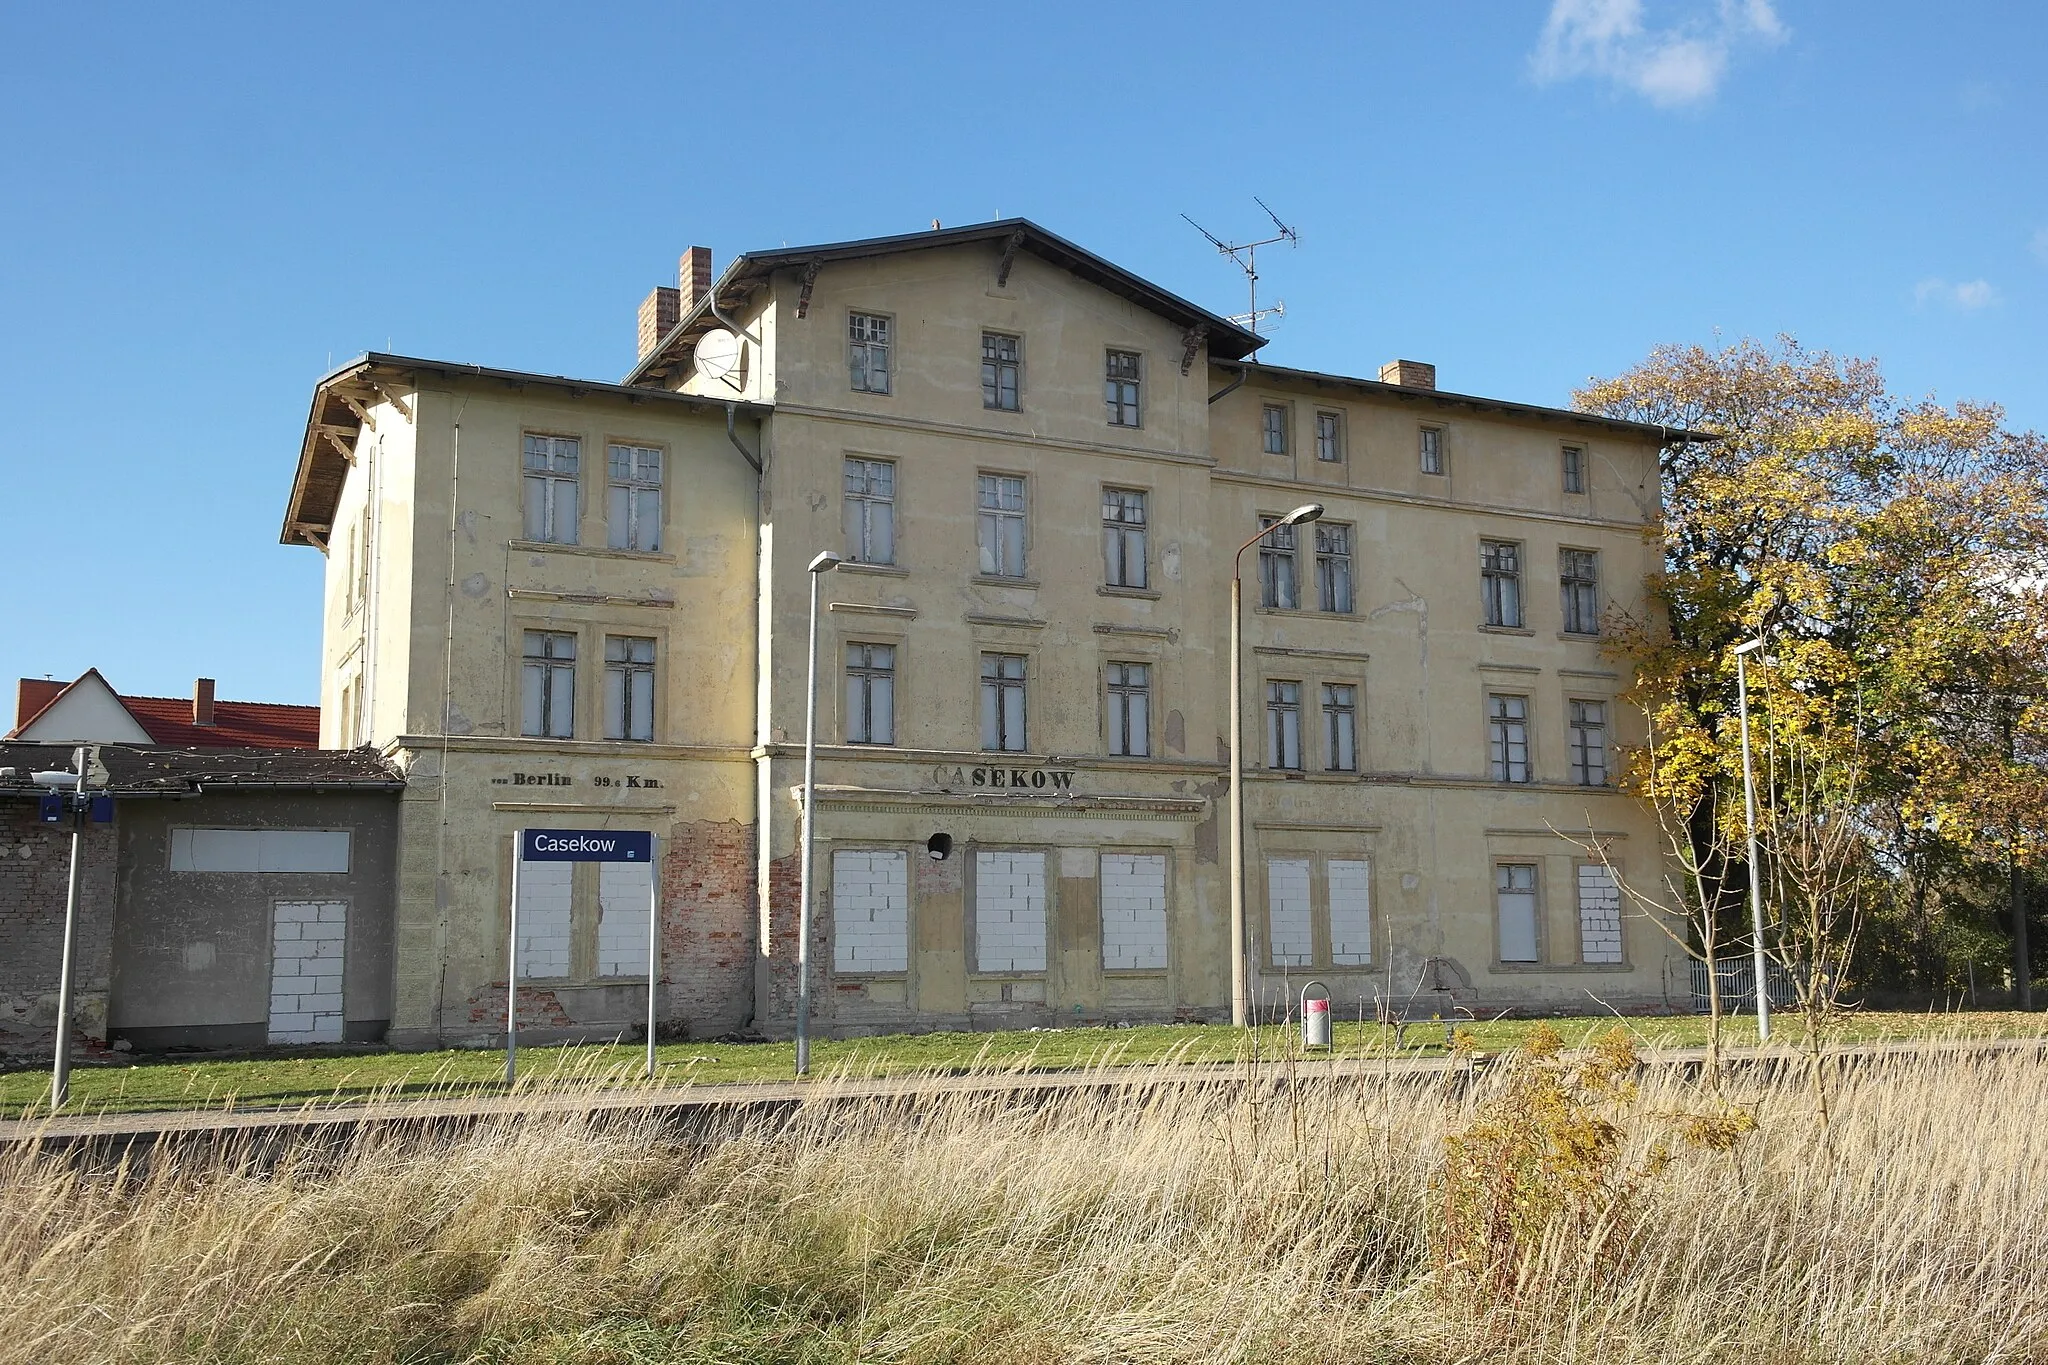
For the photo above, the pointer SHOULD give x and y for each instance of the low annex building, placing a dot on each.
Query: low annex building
(573, 603)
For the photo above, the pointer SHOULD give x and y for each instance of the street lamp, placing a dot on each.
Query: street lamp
(1756, 890)
(66, 797)
(1240, 998)
(819, 567)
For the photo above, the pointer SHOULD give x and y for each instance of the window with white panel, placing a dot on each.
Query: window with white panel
(1599, 915)
(546, 919)
(1133, 890)
(1009, 912)
(870, 910)
(1350, 891)
(1290, 912)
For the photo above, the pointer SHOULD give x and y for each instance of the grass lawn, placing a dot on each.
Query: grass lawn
(292, 1080)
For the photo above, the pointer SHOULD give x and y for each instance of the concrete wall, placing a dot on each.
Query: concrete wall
(192, 950)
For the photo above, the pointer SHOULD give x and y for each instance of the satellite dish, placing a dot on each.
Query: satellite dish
(721, 355)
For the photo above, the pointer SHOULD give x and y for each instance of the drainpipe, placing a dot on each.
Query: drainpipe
(1232, 387)
(732, 434)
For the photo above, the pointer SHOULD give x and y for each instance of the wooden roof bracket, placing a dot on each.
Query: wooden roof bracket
(810, 277)
(1010, 245)
(1191, 341)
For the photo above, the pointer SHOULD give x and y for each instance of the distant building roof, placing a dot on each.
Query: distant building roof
(137, 771)
(87, 709)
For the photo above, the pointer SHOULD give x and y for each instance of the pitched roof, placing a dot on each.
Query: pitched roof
(1227, 340)
(168, 720)
(132, 770)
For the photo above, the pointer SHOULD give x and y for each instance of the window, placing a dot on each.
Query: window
(870, 694)
(869, 511)
(1133, 912)
(1578, 582)
(1500, 581)
(348, 712)
(1333, 566)
(1273, 421)
(1283, 725)
(1123, 538)
(1514, 898)
(867, 352)
(1009, 912)
(999, 530)
(1599, 915)
(1507, 737)
(1130, 709)
(1340, 727)
(1589, 743)
(624, 894)
(547, 688)
(1000, 370)
(870, 910)
(1120, 388)
(259, 850)
(1290, 912)
(547, 919)
(551, 469)
(1349, 883)
(628, 687)
(1432, 450)
(1574, 469)
(1329, 437)
(1276, 565)
(634, 522)
(1002, 702)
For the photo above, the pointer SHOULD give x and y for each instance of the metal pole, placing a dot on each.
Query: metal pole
(809, 816)
(60, 1065)
(512, 965)
(1240, 1003)
(1756, 872)
(653, 941)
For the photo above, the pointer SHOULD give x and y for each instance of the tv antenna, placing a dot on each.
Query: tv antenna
(1246, 257)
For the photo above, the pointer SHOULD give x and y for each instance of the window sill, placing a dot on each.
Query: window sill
(998, 581)
(879, 570)
(1587, 636)
(1306, 611)
(1112, 590)
(1512, 968)
(549, 547)
(1508, 630)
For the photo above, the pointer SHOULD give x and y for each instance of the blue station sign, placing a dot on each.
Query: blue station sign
(586, 846)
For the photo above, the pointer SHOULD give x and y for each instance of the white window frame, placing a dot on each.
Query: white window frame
(1507, 881)
(1430, 449)
(1586, 718)
(868, 514)
(1283, 724)
(1340, 727)
(634, 488)
(1507, 737)
(1335, 588)
(552, 470)
(1329, 436)
(541, 676)
(1123, 538)
(629, 688)
(870, 339)
(1572, 462)
(1578, 590)
(1277, 575)
(1001, 525)
(1272, 433)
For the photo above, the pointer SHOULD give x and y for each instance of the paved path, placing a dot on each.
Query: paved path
(702, 1107)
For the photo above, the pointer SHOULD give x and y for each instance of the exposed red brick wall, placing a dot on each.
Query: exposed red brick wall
(777, 1014)
(707, 926)
(35, 870)
(538, 1008)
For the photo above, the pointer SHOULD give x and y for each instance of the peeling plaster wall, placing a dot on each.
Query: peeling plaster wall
(35, 871)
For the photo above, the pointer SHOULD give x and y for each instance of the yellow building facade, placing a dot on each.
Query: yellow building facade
(1035, 468)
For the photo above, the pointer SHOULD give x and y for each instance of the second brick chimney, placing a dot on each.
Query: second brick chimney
(693, 275)
(202, 702)
(661, 310)
(1409, 374)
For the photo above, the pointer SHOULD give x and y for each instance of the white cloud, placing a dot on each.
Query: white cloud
(1680, 64)
(1966, 296)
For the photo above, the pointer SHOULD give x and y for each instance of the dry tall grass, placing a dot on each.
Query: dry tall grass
(1177, 1224)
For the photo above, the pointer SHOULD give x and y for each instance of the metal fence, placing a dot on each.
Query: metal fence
(1738, 983)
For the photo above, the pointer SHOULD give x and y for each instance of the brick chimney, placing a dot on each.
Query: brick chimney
(693, 275)
(33, 695)
(1409, 374)
(661, 310)
(202, 702)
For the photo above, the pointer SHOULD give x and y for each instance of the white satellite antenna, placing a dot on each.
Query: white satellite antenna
(1246, 257)
(721, 355)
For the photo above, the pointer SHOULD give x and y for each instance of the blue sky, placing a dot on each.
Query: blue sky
(208, 206)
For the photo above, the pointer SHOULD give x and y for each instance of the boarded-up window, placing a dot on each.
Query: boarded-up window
(545, 915)
(1133, 912)
(1009, 912)
(307, 946)
(1599, 915)
(1350, 883)
(870, 910)
(1515, 900)
(259, 850)
(622, 891)
(1289, 913)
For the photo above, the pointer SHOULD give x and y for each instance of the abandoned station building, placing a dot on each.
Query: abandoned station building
(565, 602)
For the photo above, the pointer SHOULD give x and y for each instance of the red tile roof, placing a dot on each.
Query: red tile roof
(168, 720)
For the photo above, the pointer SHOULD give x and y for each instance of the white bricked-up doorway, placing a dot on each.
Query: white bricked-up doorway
(1009, 912)
(1133, 912)
(307, 947)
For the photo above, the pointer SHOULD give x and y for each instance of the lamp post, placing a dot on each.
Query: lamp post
(1756, 888)
(1240, 996)
(819, 567)
(66, 797)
